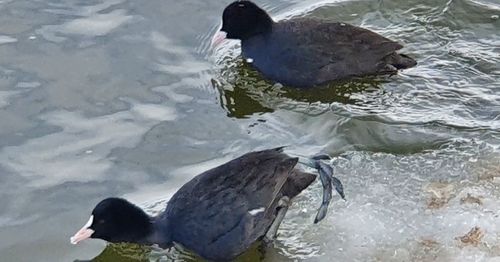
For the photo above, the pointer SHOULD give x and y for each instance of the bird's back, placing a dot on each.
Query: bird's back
(306, 52)
(222, 211)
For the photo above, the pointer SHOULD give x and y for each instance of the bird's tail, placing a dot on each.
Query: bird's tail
(401, 61)
(296, 182)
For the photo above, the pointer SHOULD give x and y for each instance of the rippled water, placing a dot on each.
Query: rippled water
(124, 98)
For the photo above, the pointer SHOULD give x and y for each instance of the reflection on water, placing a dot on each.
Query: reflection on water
(82, 144)
(125, 98)
(123, 252)
(136, 253)
(243, 91)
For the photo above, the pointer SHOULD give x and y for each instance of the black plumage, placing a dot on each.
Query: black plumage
(218, 214)
(211, 212)
(306, 52)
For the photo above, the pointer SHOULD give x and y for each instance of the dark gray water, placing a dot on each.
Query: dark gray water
(125, 98)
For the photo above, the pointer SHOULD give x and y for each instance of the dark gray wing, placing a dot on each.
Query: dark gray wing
(337, 50)
(210, 214)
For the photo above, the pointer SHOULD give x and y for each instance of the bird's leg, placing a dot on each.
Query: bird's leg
(325, 174)
(282, 207)
(327, 180)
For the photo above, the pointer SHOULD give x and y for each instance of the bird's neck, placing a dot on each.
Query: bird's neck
(159, 233)
(140, 234)
(263, 27)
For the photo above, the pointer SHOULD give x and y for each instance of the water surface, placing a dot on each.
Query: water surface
(125, 98)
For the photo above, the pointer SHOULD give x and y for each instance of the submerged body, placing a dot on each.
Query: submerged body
(219, 214)
(307, 52)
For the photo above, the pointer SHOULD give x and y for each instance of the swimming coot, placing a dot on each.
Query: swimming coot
(304, 52)
(219, 213)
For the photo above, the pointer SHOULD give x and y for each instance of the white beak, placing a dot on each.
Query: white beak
(218, 38)
(84, 233)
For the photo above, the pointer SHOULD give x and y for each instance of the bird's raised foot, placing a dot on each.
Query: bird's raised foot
(327, 180)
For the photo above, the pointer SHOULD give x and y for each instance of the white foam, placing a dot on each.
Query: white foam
(389, 215)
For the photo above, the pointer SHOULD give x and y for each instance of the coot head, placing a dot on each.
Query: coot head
(242, 20)
(115, 220)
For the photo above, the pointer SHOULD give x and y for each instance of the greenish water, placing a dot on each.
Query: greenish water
(125, 98)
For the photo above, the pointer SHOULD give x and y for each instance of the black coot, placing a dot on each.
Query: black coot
(218, 214)
(306, 52)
